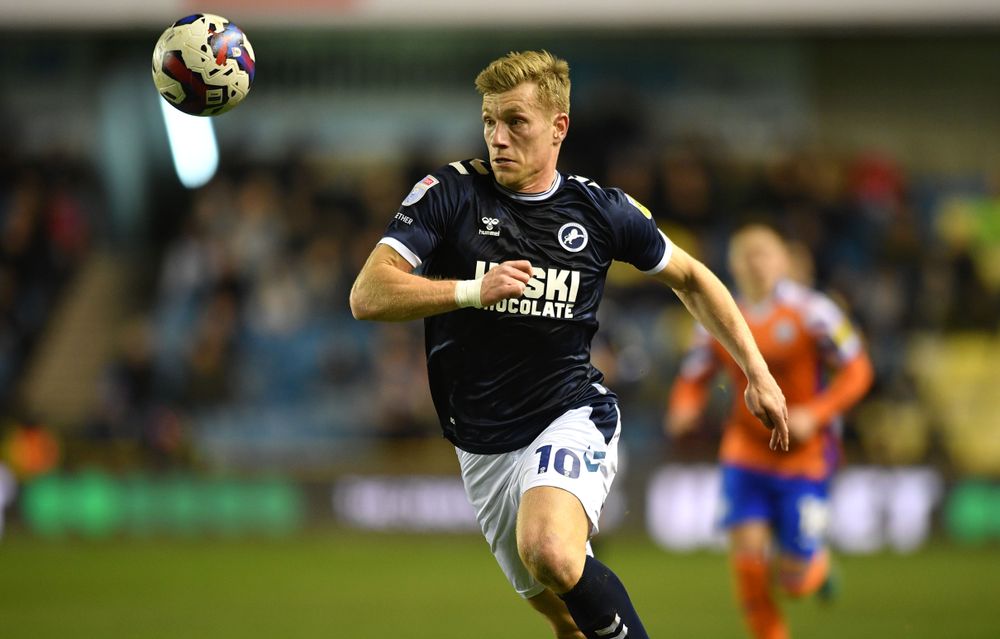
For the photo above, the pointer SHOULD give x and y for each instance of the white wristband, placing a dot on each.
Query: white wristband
(468, 293)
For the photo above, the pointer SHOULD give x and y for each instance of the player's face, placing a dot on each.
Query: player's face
(523, 138)
(758, 260)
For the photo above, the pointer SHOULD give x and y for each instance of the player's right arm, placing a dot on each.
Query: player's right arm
(387, 289)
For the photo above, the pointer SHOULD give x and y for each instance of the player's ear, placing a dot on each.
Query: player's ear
(560, 127)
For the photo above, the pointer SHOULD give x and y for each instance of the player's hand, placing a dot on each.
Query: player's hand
(766, 401)
(506, 281)
(802, 423)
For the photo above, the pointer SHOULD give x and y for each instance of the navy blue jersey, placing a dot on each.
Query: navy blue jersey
(499, 375)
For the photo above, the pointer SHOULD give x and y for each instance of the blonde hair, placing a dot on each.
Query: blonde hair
(549, 73)
(758, 228)
(768, 233)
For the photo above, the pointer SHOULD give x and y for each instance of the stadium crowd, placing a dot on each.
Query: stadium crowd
(248, 315)
(47, 213)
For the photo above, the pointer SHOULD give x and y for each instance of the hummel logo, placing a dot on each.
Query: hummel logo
(490, 223)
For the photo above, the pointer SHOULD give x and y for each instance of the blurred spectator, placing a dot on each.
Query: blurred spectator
(969, 227)
(30, 449)
(131, 411)
(403, 403)
(127, 390)
(210, 356)
(46, 210)
(689, 191)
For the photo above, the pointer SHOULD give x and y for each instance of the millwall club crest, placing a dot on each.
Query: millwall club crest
(573, 237)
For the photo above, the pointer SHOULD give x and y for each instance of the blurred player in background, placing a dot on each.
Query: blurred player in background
(512, 258)
(775, 506)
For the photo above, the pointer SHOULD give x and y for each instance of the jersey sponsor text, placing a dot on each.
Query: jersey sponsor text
(551, 292)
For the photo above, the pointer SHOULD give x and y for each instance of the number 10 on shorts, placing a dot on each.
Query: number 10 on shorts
(566, 462)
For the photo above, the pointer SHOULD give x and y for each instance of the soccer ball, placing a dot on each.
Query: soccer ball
(203, 65)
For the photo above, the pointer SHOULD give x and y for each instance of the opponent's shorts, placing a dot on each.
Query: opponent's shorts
(796, 508)
(577, 452)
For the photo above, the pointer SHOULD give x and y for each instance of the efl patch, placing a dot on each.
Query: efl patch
(637, 204)
(842, 334)
(419, 189)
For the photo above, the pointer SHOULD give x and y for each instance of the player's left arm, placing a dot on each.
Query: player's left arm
(710, 302)
(853, 372)
(849, 384)
(386, 289)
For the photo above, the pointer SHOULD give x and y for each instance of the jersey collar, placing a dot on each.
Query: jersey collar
(765, 306)
(531, 197)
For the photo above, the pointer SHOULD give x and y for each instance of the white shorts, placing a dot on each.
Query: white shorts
(572, 453)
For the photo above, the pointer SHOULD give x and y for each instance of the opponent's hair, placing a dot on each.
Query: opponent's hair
(549, 73)
(762, 227)
(759, 228)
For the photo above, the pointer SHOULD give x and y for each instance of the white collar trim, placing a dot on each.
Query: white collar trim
(531, 197)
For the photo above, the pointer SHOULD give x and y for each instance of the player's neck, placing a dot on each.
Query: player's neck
(757, 296)
(544, 183)
(761, 293)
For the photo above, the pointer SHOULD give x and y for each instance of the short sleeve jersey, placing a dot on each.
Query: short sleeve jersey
(799, 331)
(499, 375)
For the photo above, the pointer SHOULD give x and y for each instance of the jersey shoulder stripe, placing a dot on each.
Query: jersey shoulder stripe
(813, 307)
(612, 201)
(637, 238)
(474, 166)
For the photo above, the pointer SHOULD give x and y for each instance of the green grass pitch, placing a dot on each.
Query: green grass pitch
(441, 587)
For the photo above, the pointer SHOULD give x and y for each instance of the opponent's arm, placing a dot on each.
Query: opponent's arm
(386, 288)
(849, 384)
(687, 401)
(689, 395)
(710, 303)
